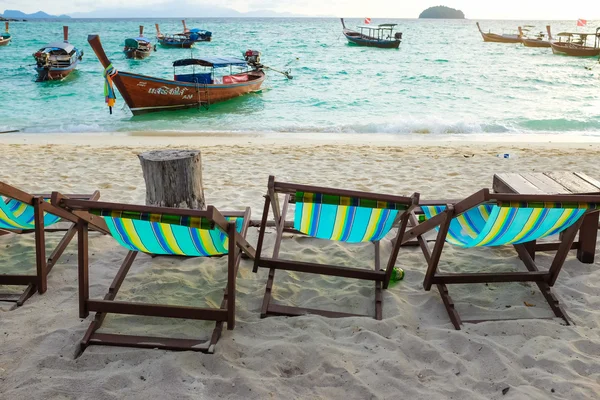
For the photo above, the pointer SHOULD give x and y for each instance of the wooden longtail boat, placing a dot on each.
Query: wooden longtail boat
(145, 94)
(195, 34)
(540, 40)
(495, 38)
(575, 44)
(138, 48)
(381, 36)
(5, 36)
(57, 60)
(178, 40)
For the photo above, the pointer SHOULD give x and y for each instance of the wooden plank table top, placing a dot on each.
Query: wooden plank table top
(557, 183)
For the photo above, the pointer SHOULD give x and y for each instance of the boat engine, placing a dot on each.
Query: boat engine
(398, 35)
(252, 57)
(41, 58)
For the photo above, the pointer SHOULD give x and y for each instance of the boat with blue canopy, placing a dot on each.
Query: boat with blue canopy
(57, 60)
(177, 40)
(381, 36)
(138, 48)
(195, 34)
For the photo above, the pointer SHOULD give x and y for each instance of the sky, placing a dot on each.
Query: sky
(473, 9)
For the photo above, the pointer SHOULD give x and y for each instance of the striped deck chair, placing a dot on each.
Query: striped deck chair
(338, 215)
(160, 231)
(22, 213)
(486, 220)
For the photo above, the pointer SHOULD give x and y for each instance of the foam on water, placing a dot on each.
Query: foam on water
(443, 80)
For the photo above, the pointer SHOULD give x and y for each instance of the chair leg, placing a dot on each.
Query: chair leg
(434, 258)
(40, 247)
(378, 286)
(449, 304)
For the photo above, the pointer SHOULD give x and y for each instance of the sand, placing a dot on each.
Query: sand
(413, 353)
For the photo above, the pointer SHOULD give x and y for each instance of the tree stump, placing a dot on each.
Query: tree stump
(173, 178)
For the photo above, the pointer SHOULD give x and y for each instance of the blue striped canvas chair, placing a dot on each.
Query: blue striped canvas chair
(489, 220)
(160, 231)
(23, 213)
(336, 215)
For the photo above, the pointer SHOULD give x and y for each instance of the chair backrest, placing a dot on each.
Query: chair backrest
(342, 215)
(167, 234)
(503, 223)
(15, 214)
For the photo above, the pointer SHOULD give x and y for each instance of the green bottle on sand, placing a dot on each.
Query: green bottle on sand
(397, 275)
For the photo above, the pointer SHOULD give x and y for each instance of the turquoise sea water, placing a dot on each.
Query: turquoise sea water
(443, 80)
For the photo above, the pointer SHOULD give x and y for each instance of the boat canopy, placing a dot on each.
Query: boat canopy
(215, 62)
(570, 34)
(387, 27)
(68, 47)
(196, 30)
(141, 39)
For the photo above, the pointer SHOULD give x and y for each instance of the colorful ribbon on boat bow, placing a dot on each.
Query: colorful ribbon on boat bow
(109, 90)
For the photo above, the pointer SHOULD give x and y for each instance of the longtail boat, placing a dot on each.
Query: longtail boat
(57, 60)
(381, 36)
(5, 36)
(138, 48)
(195, 34)
(539, 40)
(145, 94)
(575, 44)
(496, 38)
(178, 40)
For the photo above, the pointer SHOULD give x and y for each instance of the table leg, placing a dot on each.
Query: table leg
(587, 239)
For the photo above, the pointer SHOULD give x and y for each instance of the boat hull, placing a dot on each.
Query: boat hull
(54, 74)
(135, 54)
(382, 44)
(494, 38)
(145, 94)
(4, 42)
(176, 44)
(574, 50)
(536, 43)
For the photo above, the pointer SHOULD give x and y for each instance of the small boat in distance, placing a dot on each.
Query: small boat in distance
(178, 40)
(539, 40)
(575, 44)
(496, 38)
(138, 48)
(145, 94)
(5, 36)
(57, 60)
(195, 34)
(381, 36)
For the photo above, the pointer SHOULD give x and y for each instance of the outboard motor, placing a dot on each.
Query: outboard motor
(398, 35)
(252, 57)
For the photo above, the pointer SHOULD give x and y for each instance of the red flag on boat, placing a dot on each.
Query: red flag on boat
(581, 22)
(367, 21)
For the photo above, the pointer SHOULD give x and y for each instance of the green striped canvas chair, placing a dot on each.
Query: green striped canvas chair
(337, 215)
(22, 213)
(160, 231)
(489, 220)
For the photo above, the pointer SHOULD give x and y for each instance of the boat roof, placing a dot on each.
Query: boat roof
(68, 47)
(141, 39)
(380, 26)
(576, 34)
(196, 30)
(215, 62)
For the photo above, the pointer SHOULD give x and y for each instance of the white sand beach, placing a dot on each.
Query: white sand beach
(414, 352)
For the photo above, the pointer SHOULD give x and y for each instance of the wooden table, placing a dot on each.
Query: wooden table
(558, 183)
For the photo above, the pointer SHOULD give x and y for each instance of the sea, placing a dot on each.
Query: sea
(444, 80)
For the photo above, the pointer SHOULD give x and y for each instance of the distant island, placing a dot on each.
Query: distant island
(16, 14)
(442, 12)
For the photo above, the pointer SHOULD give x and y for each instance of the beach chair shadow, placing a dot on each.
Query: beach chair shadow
(331, 214)
(485, 220)
(159, 231)
(24, 213)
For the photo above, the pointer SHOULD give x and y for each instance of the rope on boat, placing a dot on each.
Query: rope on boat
(109, 90)
(287, 74)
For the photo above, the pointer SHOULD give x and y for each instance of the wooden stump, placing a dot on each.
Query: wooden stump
(173, 178)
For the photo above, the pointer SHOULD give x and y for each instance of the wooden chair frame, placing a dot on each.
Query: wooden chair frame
(379, 276)
(526, 251)
(44, 265)
(225, 313)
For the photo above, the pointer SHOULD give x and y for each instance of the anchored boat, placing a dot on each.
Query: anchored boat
(57, 60)
(539, 40)
(496, 38)
(145, 94)
(178, 40)
(5, 36)
(381, 36)
(138, 48)
(575, 44)
(195, 34)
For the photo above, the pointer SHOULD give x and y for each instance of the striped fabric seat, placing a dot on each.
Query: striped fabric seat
(345, 219)
(493, 225)
(168, 238)
(17, 215)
